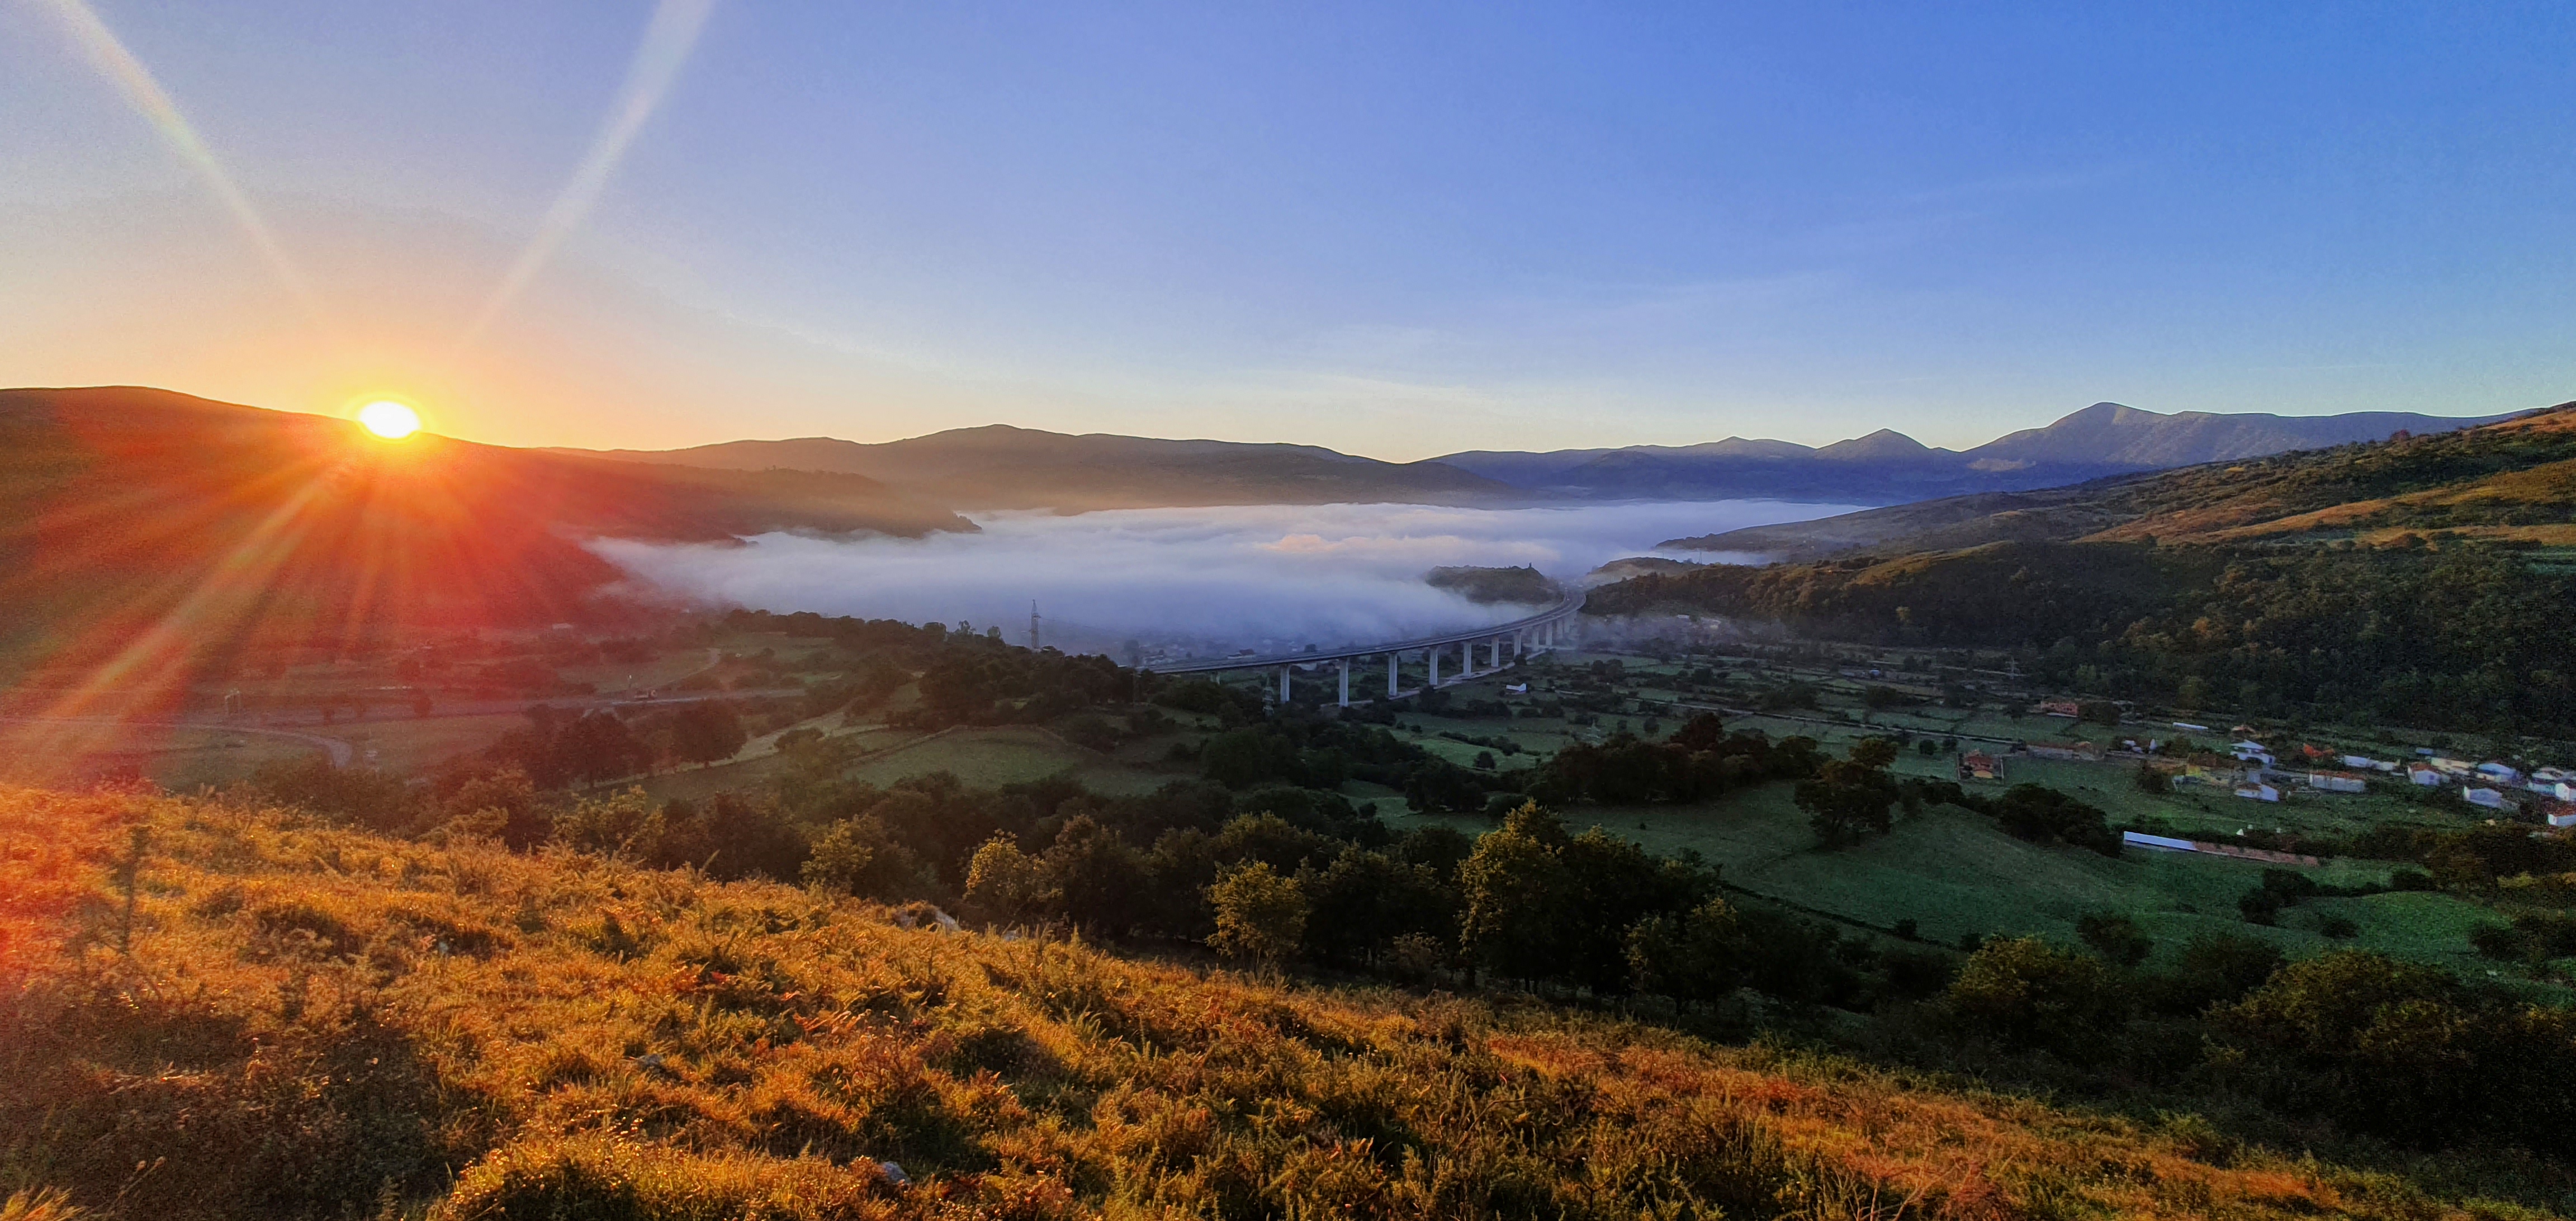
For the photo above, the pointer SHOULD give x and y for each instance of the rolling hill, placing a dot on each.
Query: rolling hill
(1002, 467)
(289, 1019)
(2512, 480)
(2421, 581)
(140, 526)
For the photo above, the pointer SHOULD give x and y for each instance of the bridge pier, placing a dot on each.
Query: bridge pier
(1346, 682)
(1466, 660)
(1433, 653)
(1284, 672)
(1390, 675)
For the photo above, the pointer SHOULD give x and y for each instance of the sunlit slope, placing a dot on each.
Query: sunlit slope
(125, 512)
(2510, 480)
(314, 1022)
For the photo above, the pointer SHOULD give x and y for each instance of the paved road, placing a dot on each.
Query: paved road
(341, 752)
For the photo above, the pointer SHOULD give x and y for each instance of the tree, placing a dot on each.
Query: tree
(1364, 900)
(1696, 956)
(2118, 939)
(1513, 890)
(619, 824)
(2029, 993)
(706, 731)
(2402, 1050)
(2041, 814)
(2151, 779)
(1259, 914)
(859, 856)
(1097, 877)
(597, 746)
(1850, 797)
(1004, 883)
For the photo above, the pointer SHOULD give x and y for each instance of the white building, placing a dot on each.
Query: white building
(2336, 782)
(2490, 798)
(2256, 790)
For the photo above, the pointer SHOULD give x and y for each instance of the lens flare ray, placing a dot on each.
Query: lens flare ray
(667, 42)
(145, 94)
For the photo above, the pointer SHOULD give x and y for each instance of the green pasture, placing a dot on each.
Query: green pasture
(1952, 873)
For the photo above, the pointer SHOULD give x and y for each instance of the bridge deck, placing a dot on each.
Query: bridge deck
(1210, 665)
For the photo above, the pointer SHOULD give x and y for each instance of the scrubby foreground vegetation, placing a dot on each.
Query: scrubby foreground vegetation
(209, 1009)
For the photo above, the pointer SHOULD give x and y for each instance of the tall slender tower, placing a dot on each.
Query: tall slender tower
(1033, 625)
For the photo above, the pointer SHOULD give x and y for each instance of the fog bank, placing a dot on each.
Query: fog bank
(1213, 578)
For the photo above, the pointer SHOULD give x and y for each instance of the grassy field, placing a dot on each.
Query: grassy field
(1954, 874)
(308, 1022)
(1009, 754)
(181, 760)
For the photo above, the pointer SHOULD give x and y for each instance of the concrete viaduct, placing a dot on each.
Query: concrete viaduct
(1539, 633)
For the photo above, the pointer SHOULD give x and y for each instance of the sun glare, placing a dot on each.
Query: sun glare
(388, 419)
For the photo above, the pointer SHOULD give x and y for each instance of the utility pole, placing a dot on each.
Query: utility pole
(1033, 625)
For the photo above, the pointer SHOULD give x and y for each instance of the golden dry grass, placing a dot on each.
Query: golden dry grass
(314, 1021)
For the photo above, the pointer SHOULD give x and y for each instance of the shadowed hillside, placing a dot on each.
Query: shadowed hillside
(212, 1010)
(1002, 467)
(2418, 582)
(141, 527)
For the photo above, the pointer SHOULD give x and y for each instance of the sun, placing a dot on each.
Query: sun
(388, 419)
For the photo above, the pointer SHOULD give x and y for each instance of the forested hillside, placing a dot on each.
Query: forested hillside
(2411, 582)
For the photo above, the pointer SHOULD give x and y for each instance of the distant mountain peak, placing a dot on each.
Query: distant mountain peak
(1886, 443)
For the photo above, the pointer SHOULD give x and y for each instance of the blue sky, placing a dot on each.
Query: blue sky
(1394, 229)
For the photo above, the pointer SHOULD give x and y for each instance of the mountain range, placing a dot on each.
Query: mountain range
(1888, 467)
(1002, 467)
(998, 466)
(2512, 481)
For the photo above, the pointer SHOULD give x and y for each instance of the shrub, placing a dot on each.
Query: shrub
(2029, 993)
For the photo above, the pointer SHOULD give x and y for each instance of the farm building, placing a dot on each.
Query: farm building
(2492, 799)
(2500, 771)
(2424, 776)
(2065, 708)
(2256, 790)
(2337, 782)
(1978, 765)
(2156, 843)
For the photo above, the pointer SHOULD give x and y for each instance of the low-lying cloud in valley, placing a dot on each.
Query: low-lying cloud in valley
(1276, 575)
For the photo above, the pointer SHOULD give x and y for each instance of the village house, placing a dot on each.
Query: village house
(1978, 765)
(2256, 790)
(2425, 777)
(2559, 813)
(2505, 772)
(2492, 799)
(2065, 708)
